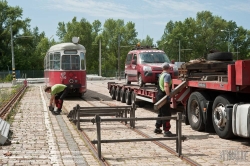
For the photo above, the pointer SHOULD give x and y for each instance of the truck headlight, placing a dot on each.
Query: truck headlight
(147, 68)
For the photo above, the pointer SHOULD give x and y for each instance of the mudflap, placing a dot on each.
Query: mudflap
(186, 116)
(207, 118)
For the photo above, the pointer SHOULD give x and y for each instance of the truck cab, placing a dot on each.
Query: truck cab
(143, 65)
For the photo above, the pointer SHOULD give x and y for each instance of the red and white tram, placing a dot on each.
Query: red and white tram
(65, 63)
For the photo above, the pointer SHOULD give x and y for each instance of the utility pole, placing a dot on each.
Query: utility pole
(100, 58)
(119, 74)
(13, 58)
(179, 50)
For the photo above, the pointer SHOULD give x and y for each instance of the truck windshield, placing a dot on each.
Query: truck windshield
(154, 57)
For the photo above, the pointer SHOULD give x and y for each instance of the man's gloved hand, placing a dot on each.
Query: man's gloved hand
(51, 108)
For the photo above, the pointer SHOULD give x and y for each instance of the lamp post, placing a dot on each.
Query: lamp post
(229, 37)
(13, 56)
(100, 60)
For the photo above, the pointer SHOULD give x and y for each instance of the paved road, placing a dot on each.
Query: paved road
(40, 138)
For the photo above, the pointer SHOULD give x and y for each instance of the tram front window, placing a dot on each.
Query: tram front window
(70, 62)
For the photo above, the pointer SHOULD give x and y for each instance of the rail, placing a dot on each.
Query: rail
(179, 138)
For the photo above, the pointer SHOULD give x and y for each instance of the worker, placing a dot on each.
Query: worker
(58, 93)
(163, 89)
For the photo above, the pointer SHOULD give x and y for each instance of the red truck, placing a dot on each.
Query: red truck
(215, 95)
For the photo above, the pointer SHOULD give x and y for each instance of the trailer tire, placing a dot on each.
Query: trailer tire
(220, 56)
(195, 109)
(117, 94)
(122, 96)
(128, 97)
(113, 93)
(222, 131)
(133, 97)
(126, 80)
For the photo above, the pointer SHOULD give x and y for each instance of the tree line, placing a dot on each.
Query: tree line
(191, 38)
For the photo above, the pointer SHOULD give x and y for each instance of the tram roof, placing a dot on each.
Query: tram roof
(67, 46)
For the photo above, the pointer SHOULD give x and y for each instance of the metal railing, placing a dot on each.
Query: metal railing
(179, 138)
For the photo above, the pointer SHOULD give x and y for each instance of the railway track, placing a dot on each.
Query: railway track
(7, 107)
(139, 132)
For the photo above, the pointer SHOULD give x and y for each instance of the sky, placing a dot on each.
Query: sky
(150, 16)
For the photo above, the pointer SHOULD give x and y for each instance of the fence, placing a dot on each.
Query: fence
(23, 74)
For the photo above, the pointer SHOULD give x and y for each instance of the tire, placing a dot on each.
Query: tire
(122, 96)
(196, 104)
(140, 82)
(117, 94)
(128, 97)
(222, 128)
(133, 96)
(113, 93)
(126, 80)
(220, 56)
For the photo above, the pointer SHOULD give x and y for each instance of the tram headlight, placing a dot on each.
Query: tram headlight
(71, 81)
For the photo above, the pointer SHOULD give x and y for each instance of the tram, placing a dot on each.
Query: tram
(65, 63)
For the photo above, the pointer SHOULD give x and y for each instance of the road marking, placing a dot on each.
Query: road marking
(51, 142)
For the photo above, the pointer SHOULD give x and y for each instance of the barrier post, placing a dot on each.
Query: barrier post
(179, 119)
(98, 127)
(78, 116)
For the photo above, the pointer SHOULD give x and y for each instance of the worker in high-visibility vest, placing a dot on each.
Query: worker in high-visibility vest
(164, 84)
(58, 93)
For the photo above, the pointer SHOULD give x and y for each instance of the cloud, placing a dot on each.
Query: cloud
(143, 9)
(239, 6)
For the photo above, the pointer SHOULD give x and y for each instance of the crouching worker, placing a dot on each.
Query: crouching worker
(58, 93)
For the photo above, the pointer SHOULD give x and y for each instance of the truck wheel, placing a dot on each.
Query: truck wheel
(140, 82)
(195, 109)
(220, 56)
(128, 97)
(122, 96)
(222, 126)
(113, 93)
(133, 96)
(126, 80)
(117, 94)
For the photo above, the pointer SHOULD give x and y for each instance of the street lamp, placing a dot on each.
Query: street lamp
(229, 36)
(12, 53)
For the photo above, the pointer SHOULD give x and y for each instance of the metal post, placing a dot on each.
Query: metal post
(98, 127)
(78, 116)
(179, 50)
(177, 128)
(119, 74)
(179, 119)
(228, 41)
(13, 58)
(100, 60)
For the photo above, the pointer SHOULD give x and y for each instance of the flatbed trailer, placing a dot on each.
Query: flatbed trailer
(214, 96)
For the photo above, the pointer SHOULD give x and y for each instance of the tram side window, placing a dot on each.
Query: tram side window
(83, 64)
(55, 61)
(47, 61)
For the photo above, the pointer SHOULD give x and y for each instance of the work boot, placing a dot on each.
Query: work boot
(168, 134)
(158, 131)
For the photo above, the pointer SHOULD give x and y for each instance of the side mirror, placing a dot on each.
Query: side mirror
(134, 62)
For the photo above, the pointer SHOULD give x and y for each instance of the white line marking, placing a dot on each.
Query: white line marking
(51, 142)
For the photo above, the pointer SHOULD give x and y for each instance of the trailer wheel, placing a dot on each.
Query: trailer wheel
(126, 80)
(195, 109)
(222, 126)
(117, 94)
(133, 96)
(220, 56)
(113, 93)
(122, 96)
(128, 97)
(140, 82)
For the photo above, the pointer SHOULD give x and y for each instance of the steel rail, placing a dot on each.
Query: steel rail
(5, 110)
(160, 144)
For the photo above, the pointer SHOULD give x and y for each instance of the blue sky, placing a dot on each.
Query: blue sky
(149, 16)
